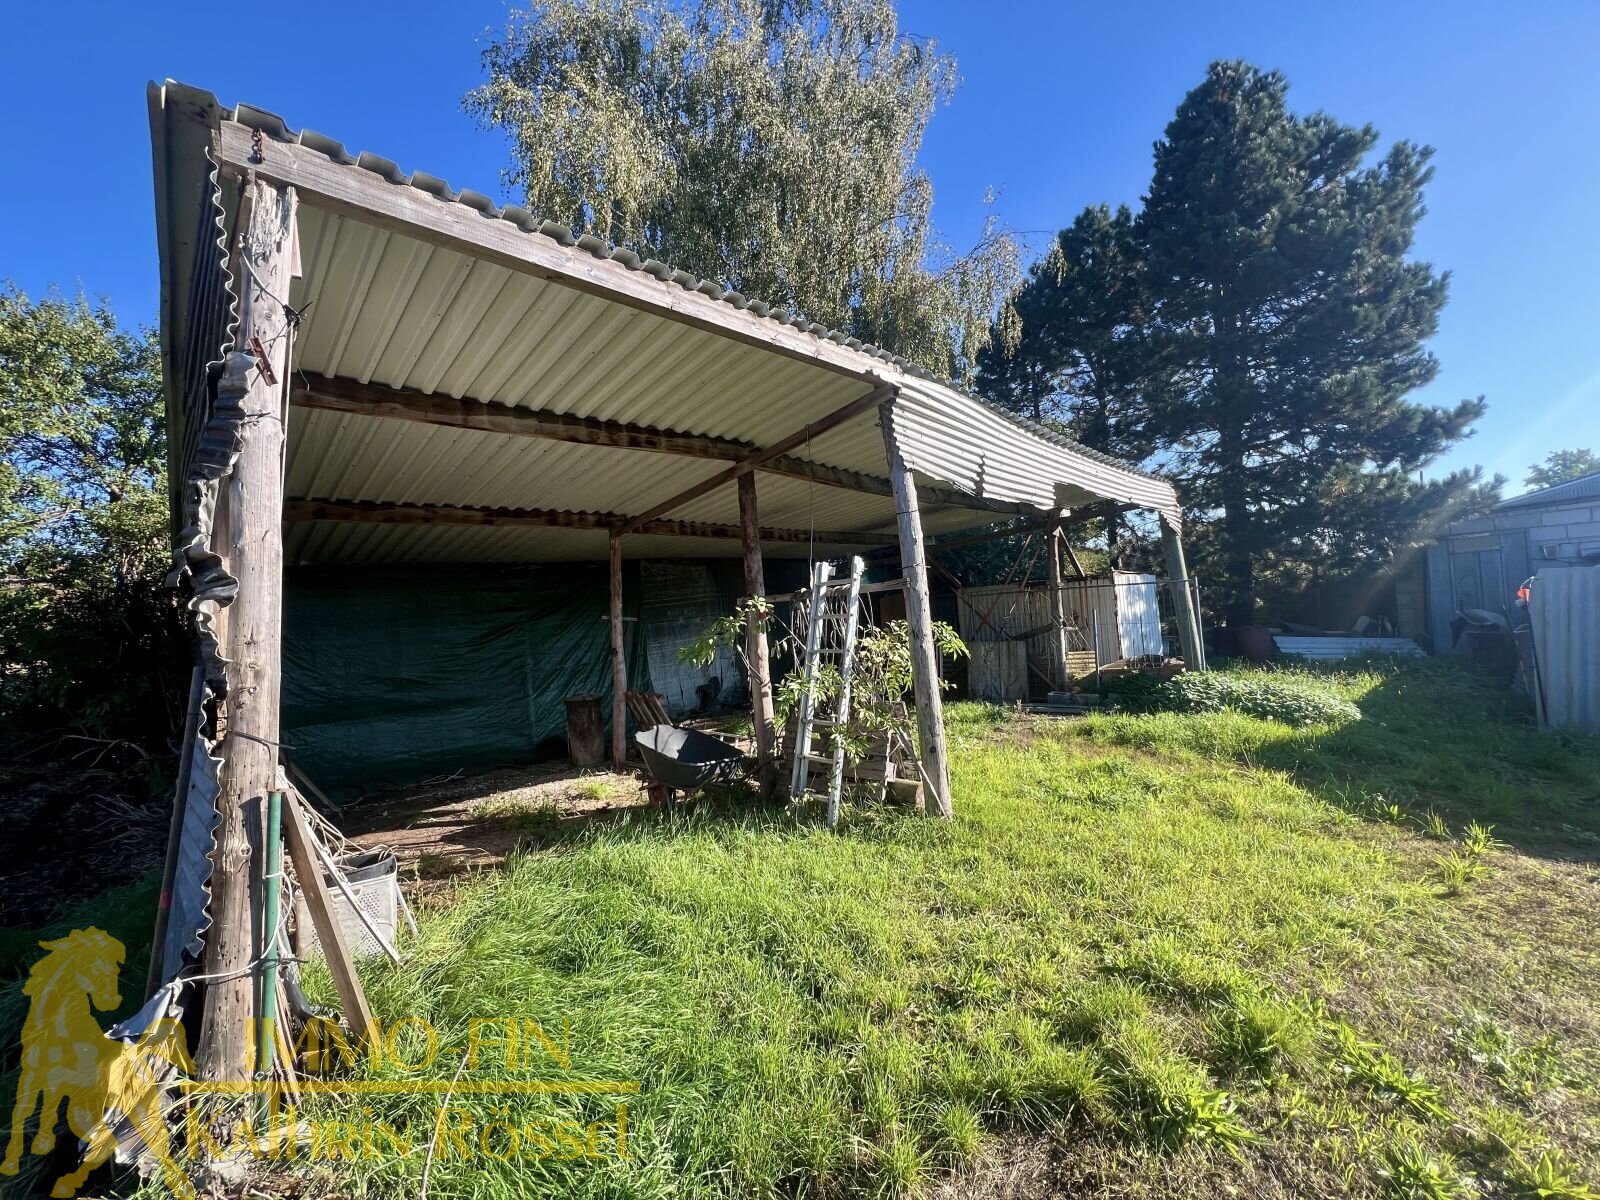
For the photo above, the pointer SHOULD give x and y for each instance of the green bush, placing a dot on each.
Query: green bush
(1257, 694)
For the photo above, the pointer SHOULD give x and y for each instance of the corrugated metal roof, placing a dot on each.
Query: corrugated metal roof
(387, 308)
(1585, 487)
(1332, 649)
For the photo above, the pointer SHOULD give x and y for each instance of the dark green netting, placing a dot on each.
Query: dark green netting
(392, 676)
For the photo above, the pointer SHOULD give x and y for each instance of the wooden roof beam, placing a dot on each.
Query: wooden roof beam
(377, 512)
(330, 393)
(327, 393)
(868, 402)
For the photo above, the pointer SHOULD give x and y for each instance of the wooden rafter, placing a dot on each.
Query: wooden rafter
(337, 394)
(378, 512)
(867, 402)
(331, 393)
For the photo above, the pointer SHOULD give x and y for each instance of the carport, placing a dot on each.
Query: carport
(368, 367)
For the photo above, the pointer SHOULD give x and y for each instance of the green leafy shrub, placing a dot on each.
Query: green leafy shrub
(1274, 699)
(1293, 701)
(1136, 691)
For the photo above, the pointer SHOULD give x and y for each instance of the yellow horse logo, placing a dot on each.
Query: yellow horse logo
(66, 1056)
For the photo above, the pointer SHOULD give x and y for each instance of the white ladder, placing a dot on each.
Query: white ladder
(832, 624)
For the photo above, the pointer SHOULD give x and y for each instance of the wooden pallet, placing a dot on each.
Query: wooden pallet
(881, 766)
(648, 709)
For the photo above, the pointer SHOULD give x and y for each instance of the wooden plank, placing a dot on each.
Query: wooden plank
(867, 589)
(381, 512)
(336, 394)
(1066, 544)
(648, 709)
(373, 200)
(1094, 512)
(919, 616)
(755, 639)
(253, 646)
(330, 934)
(307, 787)
(998, 671)
(619, 661)
(875, 398)
(328, 393)
(948, 542)
(877, 485)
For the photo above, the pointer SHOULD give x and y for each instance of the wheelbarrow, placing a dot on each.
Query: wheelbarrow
(685, 760)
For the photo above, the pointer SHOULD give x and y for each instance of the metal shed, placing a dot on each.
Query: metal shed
(1481, 562)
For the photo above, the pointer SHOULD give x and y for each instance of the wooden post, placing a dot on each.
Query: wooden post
(254, 506)
(1194, 656)
(1058, 611)
(919, 616)
(755, 638)
(619, 661)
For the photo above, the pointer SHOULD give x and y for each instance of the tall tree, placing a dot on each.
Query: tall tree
(768, 144)
(1293, 324)
(1080, 357)
(82, 440)
(89, 636)
(1560, 466)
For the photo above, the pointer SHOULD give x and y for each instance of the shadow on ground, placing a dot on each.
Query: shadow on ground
(470, 823)
(1446, 737)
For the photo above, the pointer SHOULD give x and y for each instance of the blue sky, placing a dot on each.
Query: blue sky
(1058, 108)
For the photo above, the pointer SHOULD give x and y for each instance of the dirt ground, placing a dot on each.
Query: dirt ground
(474, 822)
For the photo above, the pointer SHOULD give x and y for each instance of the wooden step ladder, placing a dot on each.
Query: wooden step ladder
(832, 624)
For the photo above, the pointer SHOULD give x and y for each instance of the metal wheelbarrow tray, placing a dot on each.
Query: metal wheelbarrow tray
(685, 760)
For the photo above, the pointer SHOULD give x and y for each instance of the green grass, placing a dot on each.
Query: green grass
(1173, 954)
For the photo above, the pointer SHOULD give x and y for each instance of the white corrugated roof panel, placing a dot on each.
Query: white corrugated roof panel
(469, 312)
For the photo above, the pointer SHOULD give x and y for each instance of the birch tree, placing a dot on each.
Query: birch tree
(770, 145)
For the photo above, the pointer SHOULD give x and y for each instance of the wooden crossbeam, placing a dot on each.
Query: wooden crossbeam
(378, 512)
(871, 400)
(332, 393)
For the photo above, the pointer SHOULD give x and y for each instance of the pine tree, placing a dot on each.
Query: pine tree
(1292, 324)
(1080, 358)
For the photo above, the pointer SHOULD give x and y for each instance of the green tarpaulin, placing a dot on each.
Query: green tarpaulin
(393, 676)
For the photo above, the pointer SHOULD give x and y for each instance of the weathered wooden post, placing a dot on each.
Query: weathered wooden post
(259, 367)
(1058, 611)
(1188, 625)
(619, 661)
(755, 637)
(919, 616)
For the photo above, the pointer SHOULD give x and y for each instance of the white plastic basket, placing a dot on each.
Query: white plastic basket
(373, 877)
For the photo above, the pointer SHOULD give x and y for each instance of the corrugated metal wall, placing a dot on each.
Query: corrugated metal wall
(1565, 614)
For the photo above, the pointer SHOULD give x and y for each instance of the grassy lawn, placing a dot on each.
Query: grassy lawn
(1154, 955)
